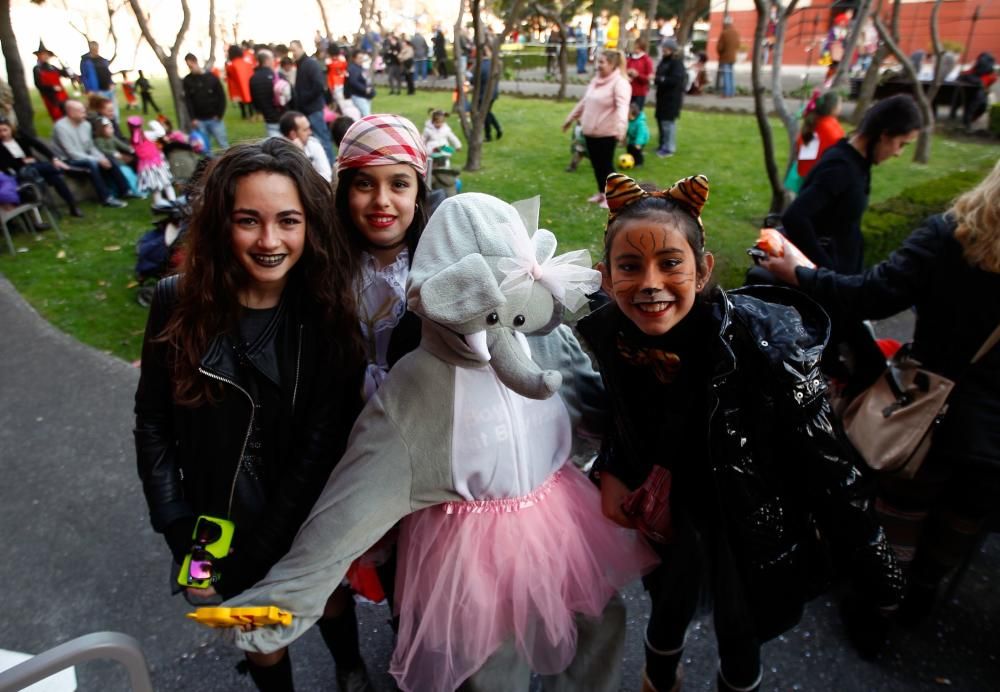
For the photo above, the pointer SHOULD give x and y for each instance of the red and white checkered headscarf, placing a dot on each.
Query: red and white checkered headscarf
(382, 140)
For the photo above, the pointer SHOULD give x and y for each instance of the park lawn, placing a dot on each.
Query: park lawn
(84, 285)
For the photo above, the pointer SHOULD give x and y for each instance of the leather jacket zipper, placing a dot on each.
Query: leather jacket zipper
(246, 438)
(298, 362)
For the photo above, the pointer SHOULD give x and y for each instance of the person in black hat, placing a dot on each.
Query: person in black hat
(48, 79)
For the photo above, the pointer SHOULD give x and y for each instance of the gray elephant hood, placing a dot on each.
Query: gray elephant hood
(478, 251)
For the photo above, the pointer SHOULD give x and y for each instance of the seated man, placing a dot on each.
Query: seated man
(295, 127)
(73, 140)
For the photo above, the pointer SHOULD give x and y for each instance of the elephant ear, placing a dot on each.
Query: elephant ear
(461, 292)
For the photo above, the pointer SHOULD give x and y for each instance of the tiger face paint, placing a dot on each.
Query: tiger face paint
(652, 274)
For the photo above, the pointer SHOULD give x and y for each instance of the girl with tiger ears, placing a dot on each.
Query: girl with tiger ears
(721, 449)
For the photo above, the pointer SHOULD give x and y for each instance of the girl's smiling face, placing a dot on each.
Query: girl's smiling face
(268, 234)
(382, 202)
(652, 274)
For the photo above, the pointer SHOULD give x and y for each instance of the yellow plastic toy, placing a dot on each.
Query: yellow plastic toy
(241, 617)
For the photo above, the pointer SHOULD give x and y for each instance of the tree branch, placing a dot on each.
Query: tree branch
(851, 43)
(938, 52)
(185, 23)
(143, 21)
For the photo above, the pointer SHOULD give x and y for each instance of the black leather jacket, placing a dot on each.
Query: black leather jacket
(777, 472)
(189, 459)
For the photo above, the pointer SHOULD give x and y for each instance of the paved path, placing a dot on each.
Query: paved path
(77, 555)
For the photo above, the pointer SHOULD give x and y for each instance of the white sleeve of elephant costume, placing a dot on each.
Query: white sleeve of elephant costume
(367, 493)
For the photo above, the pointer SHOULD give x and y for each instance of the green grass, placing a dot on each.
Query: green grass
(83, 286)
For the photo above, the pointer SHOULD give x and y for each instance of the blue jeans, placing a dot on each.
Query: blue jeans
(581, 60)
(726, 70)
(421, 68)
(214, 128)
(668, 136)
(363, 105)
(321, 131)
(103, 179)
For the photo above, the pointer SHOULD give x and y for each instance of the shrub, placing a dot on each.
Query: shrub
(995, 119)
(888, 223)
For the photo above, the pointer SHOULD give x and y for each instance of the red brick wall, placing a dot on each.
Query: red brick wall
(808, 26)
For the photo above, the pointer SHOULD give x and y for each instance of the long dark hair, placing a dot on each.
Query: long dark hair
(208, 302)
(894, 116)
(345, 180)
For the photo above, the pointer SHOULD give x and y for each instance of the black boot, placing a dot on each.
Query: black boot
(866, 627)
(725, 686)
(340, 634)
(663, 671)
(276, 678)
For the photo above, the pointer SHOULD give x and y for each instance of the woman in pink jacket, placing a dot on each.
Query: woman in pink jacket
(603, 116)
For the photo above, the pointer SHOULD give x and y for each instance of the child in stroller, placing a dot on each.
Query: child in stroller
(159, 252)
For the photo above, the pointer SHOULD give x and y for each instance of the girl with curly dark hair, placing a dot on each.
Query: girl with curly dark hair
(251, 375)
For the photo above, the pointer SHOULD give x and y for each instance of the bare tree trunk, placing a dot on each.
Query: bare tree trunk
(760, 110)
(15, 72)
(922, 151)
(595, 12)
(367, 10)
(463, 116)
(843, 69)
(788, 119)
(938, 54)
(561, 94)
(473, 123)
(867, 91)
(213, 36)
(326, 23)
(168, 60)
(690, 11)
(623, 18)
(553, 17)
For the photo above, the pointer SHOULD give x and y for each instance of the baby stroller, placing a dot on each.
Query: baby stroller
(443, 176)
(159, 251)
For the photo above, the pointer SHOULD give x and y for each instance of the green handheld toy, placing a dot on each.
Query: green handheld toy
(211, 539)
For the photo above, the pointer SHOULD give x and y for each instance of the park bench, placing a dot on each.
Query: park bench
(953, 94)
(22, 213)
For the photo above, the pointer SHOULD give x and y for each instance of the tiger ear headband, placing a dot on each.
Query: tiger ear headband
(690, 194)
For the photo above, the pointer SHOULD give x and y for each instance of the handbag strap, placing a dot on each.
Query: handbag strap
(987, 345)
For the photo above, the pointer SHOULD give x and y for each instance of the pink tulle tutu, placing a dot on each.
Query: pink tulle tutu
(474, 574)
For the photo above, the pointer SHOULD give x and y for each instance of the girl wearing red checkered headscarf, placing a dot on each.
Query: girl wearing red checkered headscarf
(381, 204)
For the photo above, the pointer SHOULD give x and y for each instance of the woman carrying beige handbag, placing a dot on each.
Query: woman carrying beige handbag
(949, 269)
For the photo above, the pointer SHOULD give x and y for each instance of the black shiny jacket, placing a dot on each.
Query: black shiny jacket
(189, 458)
(784, 490)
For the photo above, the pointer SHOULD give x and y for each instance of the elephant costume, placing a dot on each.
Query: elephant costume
(506, 563)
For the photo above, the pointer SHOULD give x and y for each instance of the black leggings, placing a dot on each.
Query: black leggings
(674, 588)
(601, 151)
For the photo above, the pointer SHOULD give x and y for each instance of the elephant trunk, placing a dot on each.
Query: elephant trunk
(516, 370)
